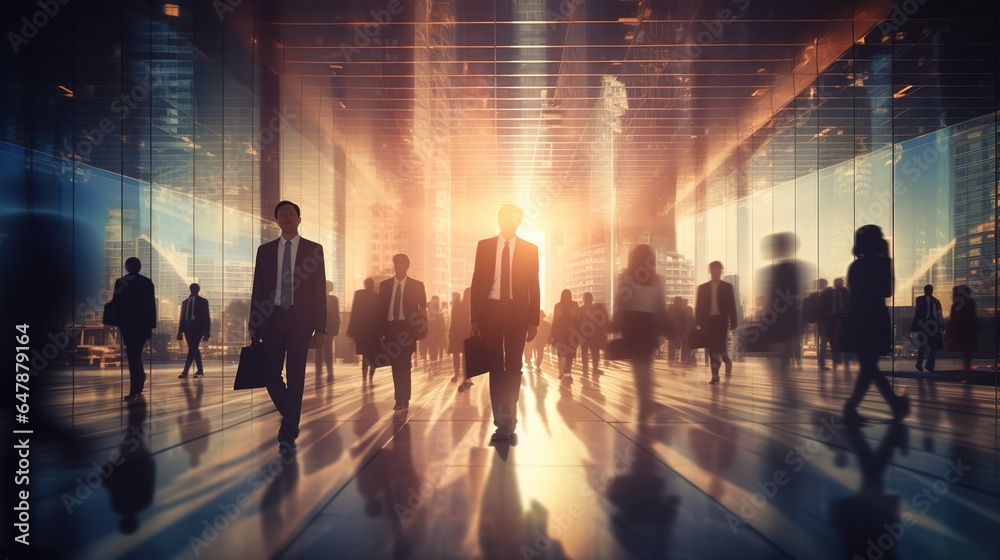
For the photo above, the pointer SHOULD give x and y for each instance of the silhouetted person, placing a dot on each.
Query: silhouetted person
(326, 352)
(565, 335)
(782, 289)
(682, 317)
(134, 304)
(593, 331)
(403, 312)
(436, 329)
(364, 327)
(195, 325)
(963, 327)
(811, 316)
(870, 279)
(505, 307)
(927, 321)
(534, 351)
(833, 305)
(458, 331)
(132, 483)
(715, 312)
(288, 307)
(640, 315)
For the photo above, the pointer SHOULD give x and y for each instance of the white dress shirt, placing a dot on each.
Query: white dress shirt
(401, 286)
(495, 290)
(714, 310)
(281, 254)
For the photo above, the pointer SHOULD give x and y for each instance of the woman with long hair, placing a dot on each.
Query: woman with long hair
(566, 333)
(962, 333)
(640, 315)
(870, 281)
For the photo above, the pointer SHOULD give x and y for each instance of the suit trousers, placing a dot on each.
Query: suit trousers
(402, 362)
(286, 343)
(930, 350)
(193, 339)
(135, 340)
(504, 335)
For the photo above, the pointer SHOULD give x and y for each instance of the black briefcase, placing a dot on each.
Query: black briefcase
(477, 356)
(250, 373)
(108, 318)
(698, 338)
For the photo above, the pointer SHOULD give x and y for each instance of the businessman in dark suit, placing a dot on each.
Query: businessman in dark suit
(134, 304)
(195, 325)
(505, 308)
(715, 312)
(402, 311)
(288, 307)
(833, 304)
(927, 321)
(326, 352)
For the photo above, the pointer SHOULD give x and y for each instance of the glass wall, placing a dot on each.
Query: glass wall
(900, 131)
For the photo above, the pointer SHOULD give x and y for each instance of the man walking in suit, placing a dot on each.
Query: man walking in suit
(927, 320)
(195, 325)
(325, 353)
(403, 312)
(134, 304)
(363, 327)
(505, 312)
(832, 309)
(715, 312)
(288, 307)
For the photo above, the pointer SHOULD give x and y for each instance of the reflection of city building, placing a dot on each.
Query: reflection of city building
(587, 271)
(386, 237)
(677, 273)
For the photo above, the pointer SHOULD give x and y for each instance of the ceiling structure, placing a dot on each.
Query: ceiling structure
(531, 93)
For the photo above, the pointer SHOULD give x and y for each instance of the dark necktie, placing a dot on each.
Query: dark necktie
(286, 277)
(505, 272)
(397, 302)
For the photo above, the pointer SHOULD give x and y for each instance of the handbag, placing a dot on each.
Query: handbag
(698, 338)
(250, 373)
(477, 356)
(109, 315)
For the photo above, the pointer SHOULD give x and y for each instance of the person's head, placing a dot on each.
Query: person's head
(456, 297)
(370, 284)
(541, 315)
(133, 265)
(641, 269)
(435, 300)
(401, 263)
(678, 300)
(510, 218)
(195, 288)
(928, 290)
(868, 241)
(329, 286)
(566, 296)
(467, 294)
(781, 245)
(838, 283)
(715, 269)
(961, 293)
(821, 283)
(288, 217)
(588, 298)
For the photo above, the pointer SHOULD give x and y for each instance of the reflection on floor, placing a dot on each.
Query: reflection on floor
(754, 467)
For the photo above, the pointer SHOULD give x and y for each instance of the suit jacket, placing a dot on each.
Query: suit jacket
(726, 303)
(523, 280)
(826, 302)
(364, 325)
(308, 288)
(201, 325)
(414, 307)
(134, 302)
(332, 315)
(921, 313)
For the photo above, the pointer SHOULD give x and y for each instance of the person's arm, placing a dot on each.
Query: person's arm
(151, 306)
(180, 321)
(208, 320)
(256, 294)
(477, 287)
(319, 296)
(732, 307)
(334, 322)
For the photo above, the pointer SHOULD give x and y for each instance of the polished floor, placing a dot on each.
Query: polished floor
(755, 467)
